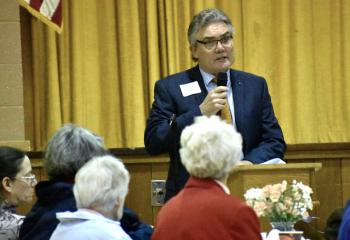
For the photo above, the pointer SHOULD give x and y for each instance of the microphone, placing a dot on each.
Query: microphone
(222, 79)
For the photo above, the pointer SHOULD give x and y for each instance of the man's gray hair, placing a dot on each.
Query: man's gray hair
(204, 18)
(101, 183)
(69, 149)
(210, 148)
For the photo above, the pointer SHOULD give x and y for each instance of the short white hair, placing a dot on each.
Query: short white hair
(100, 183)
(210, 148)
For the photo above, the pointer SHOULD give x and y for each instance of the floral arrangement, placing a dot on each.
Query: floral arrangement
(281, 202)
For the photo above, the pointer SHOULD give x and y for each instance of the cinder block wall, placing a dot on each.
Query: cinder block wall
(11, 86)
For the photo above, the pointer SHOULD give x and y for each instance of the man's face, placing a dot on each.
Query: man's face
(220, 57)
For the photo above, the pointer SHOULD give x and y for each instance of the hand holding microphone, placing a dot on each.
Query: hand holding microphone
(216, 99)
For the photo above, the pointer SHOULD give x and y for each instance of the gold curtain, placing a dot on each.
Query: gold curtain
(100, 72)
(303, 48)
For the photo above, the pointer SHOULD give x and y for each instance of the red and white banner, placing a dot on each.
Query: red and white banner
(48, 11)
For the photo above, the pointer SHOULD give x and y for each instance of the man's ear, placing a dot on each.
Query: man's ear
(7, 184)
(193, 49)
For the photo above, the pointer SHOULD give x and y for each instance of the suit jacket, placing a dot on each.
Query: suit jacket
(344, 229)
(254, 116)
(203, 210)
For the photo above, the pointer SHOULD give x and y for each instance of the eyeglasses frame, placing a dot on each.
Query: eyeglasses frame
(228, 37)
(31, 178)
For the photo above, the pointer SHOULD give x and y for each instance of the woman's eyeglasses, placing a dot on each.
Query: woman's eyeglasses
(30, 179)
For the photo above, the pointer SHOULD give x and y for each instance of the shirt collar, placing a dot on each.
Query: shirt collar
(207, 77)
(223, 186)
(83, 214)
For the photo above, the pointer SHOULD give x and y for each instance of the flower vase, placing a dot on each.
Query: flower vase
(283, 226)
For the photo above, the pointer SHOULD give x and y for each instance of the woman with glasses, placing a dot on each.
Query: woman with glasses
(17, 187)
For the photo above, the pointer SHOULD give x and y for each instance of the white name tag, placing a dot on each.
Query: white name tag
(190, 89)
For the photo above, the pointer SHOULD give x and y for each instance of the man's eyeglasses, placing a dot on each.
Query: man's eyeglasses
(30, 179)
(225, 41)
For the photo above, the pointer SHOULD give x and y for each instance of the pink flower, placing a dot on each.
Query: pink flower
(259, 208)
(267, 190)
(275, 192)
(288, 202)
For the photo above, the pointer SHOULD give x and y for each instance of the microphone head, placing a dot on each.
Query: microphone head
(222, 79)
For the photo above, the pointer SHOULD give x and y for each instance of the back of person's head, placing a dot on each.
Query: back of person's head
(102, 185)
(203, 19)
(10, 162)
(333, 224)
(210, 148)
(69, 149)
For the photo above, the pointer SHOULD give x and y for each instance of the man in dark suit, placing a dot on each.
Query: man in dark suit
(181, 97)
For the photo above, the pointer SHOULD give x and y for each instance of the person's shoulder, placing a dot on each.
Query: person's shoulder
(237, 208)
(104, 230)
(242, 75)
(234, 202)
(9, 225)
(179, 76)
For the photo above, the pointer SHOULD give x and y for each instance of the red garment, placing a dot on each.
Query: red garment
(202, 210)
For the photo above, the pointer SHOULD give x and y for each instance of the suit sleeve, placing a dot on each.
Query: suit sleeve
(160, 136)
(271, 144)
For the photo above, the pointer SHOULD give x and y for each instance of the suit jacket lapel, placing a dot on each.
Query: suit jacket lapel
(195, 75)
(238, 100)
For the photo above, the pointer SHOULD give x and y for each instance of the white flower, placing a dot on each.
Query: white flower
(254, 194)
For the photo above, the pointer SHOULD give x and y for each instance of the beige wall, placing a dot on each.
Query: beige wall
(11, 85)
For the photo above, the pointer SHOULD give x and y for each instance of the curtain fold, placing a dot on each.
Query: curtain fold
(300, 50)
(100, 72)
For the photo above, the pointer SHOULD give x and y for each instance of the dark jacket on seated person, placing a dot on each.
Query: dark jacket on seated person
(344, 229)
(57, 196)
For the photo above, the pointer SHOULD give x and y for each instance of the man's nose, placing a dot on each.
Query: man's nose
(219, 46)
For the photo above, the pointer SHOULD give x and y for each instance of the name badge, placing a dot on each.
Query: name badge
(190, 89)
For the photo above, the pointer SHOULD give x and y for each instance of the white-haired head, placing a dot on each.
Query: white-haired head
(102, 184)
(210, 148)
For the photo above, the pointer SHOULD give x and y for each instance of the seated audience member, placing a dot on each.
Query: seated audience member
(67, 151)
(333, 224)
(344, 229)
(204, 209)
(100, 189)
(17, 187)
